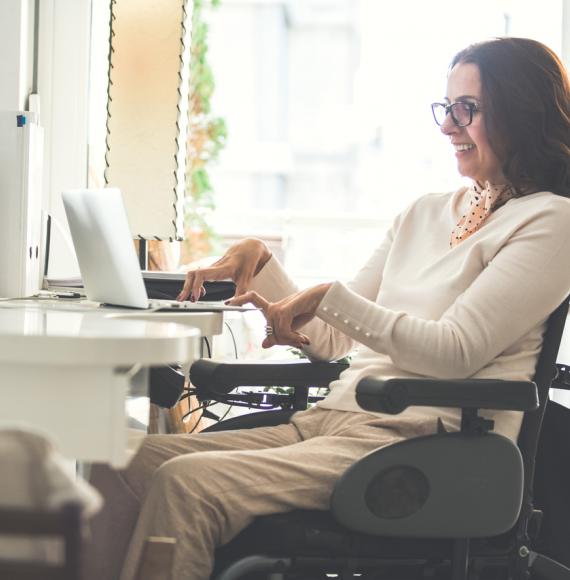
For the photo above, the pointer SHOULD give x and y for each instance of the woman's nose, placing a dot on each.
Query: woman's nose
(448, 126)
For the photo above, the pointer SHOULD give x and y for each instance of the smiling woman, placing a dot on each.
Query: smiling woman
(520, 126)
(476, 158)
(455, 290)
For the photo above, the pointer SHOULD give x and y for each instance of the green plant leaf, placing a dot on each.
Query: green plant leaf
(207, 135)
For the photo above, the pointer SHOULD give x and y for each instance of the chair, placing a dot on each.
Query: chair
(401, 512)
(157, 558)
(63, 524)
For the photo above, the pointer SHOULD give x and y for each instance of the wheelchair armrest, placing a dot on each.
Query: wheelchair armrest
(223, 377)
(394, 395)
(562, 378)
(166, 385)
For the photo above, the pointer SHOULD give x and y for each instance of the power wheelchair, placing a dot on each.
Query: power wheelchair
(450, 505)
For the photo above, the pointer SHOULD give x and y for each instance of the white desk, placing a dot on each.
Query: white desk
(208, 323)
(67, 368)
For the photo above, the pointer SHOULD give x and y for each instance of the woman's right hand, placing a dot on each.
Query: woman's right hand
(240, 264)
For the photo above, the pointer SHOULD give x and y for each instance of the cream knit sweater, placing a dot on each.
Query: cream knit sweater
(418, 308)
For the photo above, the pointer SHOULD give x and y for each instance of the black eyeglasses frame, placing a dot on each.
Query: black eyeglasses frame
(472, 107)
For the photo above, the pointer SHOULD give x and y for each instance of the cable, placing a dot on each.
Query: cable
(196, 424)
(225, 414)
(204, 406)
(198, 408)
(201, 408)
(233, 338)
(189, 393)
(207, 346)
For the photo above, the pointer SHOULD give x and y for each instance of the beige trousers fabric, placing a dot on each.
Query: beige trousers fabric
(203, 489)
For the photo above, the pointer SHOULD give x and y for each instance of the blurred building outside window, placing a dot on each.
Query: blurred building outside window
(330, 133)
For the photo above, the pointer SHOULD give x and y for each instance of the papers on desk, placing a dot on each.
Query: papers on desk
(71, 284)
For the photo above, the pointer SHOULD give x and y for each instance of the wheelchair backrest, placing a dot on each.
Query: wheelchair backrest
(544, 375)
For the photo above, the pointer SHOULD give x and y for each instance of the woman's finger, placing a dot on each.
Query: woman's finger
(243, 281)
(188, 281)
(297, 340)
(194, 283)
(197, 285)
(250, 297)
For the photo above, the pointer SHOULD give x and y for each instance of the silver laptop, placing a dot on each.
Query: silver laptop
(107, 257)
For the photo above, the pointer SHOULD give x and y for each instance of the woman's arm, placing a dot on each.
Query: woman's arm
(323, 340)
(527, 279)
(241, 263)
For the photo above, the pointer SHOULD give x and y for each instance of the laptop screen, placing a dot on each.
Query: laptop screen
(104, 246)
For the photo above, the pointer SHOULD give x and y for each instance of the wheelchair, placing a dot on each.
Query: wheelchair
(453, 506)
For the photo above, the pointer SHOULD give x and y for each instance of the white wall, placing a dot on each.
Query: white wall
(63, 85)
(16, 53)
(61, 78)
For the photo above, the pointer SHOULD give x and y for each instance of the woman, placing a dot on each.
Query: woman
(461, 287)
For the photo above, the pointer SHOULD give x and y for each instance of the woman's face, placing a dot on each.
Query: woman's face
(475, 157)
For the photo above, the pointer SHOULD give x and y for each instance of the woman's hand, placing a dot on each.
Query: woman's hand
(286, 317)
(240, 264)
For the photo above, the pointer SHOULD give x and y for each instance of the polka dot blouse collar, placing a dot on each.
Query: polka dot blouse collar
(484, 199)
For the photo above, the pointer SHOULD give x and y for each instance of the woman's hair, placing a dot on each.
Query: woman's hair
(526, 103)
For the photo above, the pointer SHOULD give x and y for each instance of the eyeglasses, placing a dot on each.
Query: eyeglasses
(461, 112)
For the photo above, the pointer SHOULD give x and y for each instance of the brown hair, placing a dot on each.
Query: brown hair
(526, 99)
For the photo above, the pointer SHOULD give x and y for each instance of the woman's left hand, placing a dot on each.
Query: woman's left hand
(286, 317)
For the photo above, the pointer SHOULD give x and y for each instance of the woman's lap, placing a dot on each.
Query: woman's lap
(214, 484)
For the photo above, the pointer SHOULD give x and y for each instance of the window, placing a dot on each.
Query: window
(330, 133)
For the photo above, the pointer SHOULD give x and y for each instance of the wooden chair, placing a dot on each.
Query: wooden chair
(63, 524)
(157, 559)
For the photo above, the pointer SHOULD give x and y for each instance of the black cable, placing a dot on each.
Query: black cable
(198, 408)
(207, 346)
(47, 242)
(225, 414)
(233, 338)
(188, 393)
(197, 423)
(204, 406)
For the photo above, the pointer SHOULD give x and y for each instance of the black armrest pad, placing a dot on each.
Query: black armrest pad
(394, 395)
(166, 385)
(224, 377)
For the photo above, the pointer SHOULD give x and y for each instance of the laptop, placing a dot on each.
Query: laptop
(106, 254)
